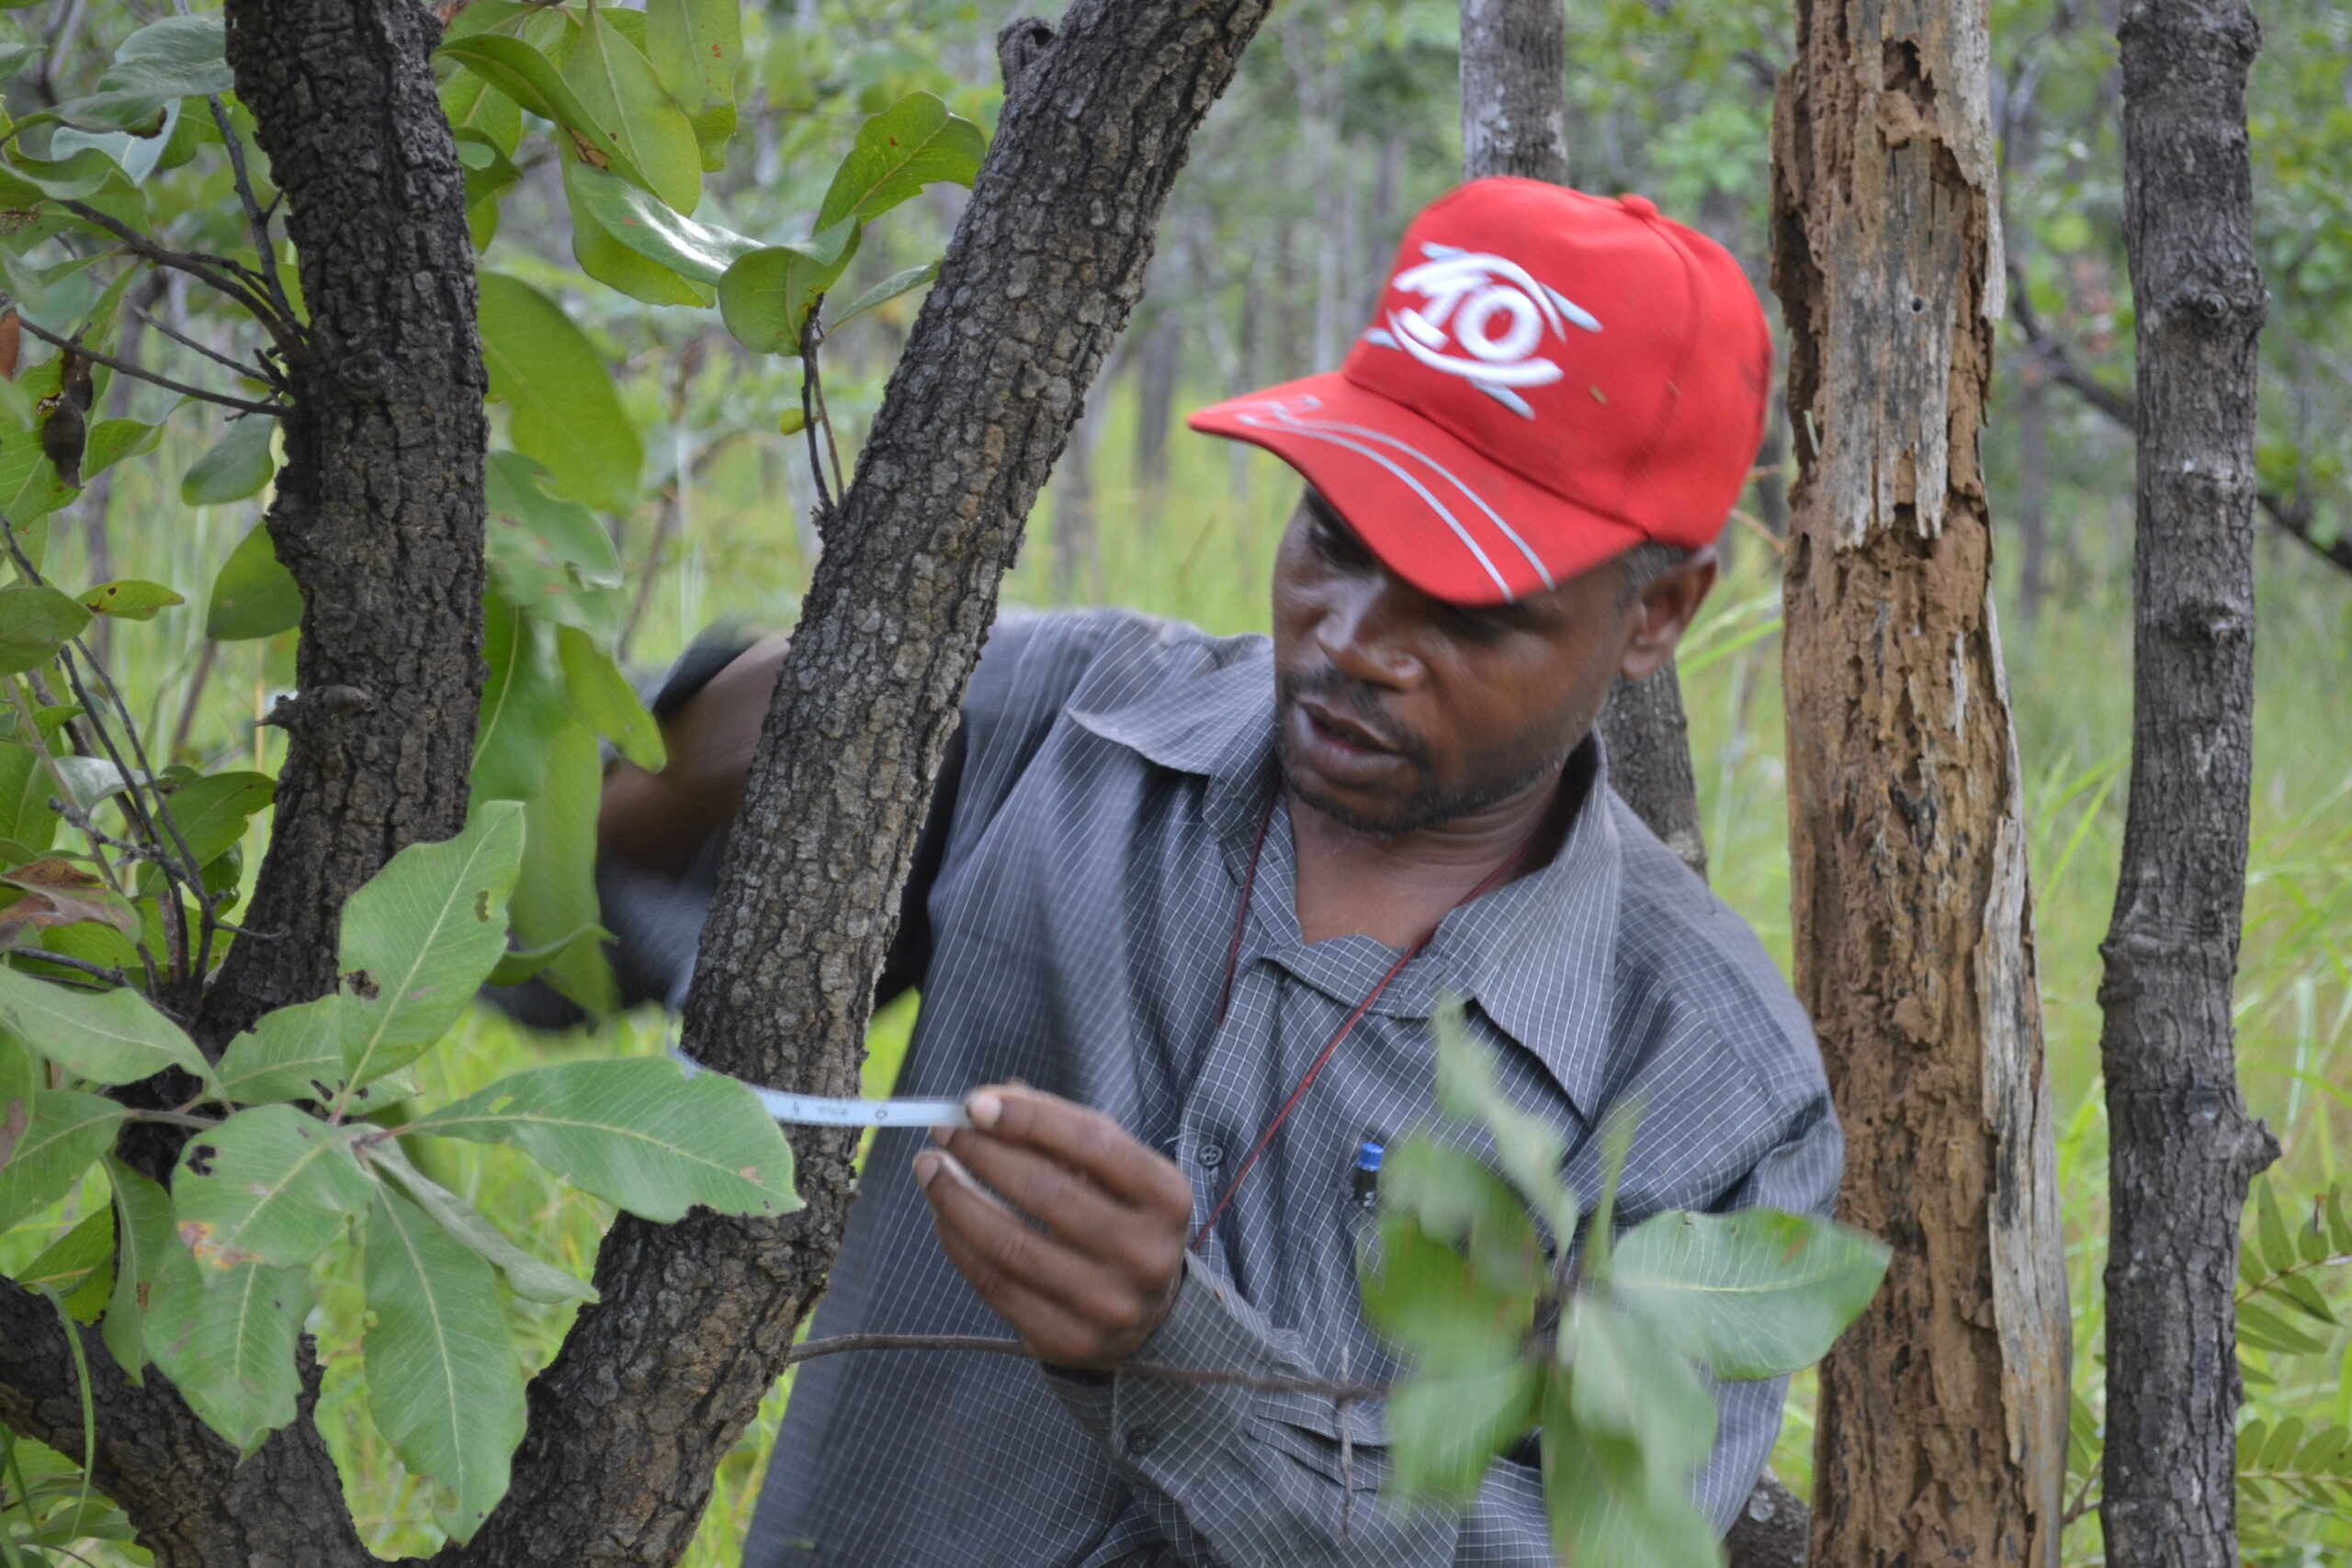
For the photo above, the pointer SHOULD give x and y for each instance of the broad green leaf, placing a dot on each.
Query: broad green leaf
(212, 813)
(25, 789)
(1425, 1298)
(421, 937)
(473, 104)
(602, 699)
(882, 293)
(227, 1344)
(1444, 1426)
(522, 704)
(65, 1134)
(913, 143)
(239, 465)
(67, 1263)
(1529, 1148)
(547, 556)
(632, 122)
(518, 964)
(765, 296)
(2270, 1227)
(35, 622)
(14, 57)
(294, 1052)
(2265, 1330)
(521, 72)
(1602, 1511)
(1459, 1201)
(636, 1132)
(75, 177)
(128, 599)
(270, 1185)
(21, 1077)
(254, 596)
(603, 256)
(564, 411)
(713, 128)
(1631, 1384)
(526, 1276)
(144, 1238)
(29, 488)
(112, 440)
(2299, 1292)
(693, 249)
(694, 46)
(556, 894)
(442, 1384)
(108, 1037)
(178, 57)
(1755, 1293)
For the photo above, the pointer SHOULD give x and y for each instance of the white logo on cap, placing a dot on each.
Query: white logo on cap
(1492, 310)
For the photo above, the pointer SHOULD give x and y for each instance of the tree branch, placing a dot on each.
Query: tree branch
(283, 331)
(124, 366)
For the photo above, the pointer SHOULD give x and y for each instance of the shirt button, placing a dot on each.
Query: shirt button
(1211, 1153)
(1140, 1440)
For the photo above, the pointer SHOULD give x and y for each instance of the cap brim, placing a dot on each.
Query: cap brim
(1451, 522)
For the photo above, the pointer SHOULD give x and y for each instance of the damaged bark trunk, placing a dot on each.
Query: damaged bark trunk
(2182, 1148)
(1514, 121)
(1943, 1424)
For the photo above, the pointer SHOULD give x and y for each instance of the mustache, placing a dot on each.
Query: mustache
(1355, 702)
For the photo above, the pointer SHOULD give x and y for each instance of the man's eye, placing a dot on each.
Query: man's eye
(1337, 547)
(1474, 626)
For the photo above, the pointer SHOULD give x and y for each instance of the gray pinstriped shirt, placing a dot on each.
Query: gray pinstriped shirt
(1115, 774)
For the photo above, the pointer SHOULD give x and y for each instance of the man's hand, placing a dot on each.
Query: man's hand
(1093, 1286)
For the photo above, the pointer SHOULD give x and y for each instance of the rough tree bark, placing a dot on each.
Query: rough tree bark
(656, 1381)
(1942, 1423)
(379, 515)
(2181, 1148)
(379, 508)
(1514, 121)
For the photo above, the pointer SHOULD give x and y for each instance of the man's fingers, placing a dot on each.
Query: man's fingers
(1066, 1306)
(1077, 1211)
(1087, 1140)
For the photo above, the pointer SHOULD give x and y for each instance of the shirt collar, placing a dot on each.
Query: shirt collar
(1538, 956)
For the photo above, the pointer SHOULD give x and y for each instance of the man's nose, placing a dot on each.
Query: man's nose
(1368, 635)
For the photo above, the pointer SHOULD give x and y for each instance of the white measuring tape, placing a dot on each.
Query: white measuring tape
(819, 1110)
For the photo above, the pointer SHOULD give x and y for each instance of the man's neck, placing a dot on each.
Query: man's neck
(1395, 888)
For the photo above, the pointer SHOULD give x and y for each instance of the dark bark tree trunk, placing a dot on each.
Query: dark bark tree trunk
(658, 1379)
(1942, 1423)
(2182, 1149)
(379, 508)
(1514, 121)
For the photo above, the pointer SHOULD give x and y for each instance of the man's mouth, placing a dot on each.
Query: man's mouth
(1340, 731)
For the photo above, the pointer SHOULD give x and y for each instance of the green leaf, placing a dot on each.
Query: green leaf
(421, 937)
(296, 1053)
(603, 256)
(227, 1344)
(108, 1037)
(765, 297)
(112, 440)
(564, 411)
(556, 894)
(520, 964)
(180, 56)
(694, 46)
(254, 596)
(212, 813)
(523, 705)
(239, 465)
(67, 1263)
(128, 599)
(602, 699)
(1529, 1148)
(632, 125)
(699, 251)
(2305, 1298)
(35, 622)
(914, 142)
(144, 1238)
(271, 1186)
(1604, 1512)
(1425, 1298)
(26, 788)
(1754, 1294)
(549, 557)
(1459, 1201)
(76, 177)
(1444, 1426)
(882, 293)
(2270, 1225)
(526, 1276)
(636, 1132)
(67, 1134)
(1630, 1382)
(473, 104)
(520, 72)
(2265, 1330)
(14, 57)
(442, 1384)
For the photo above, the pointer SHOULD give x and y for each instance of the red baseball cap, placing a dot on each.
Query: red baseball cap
(1550, 379)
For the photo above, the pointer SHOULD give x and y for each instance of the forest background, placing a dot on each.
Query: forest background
(1342, 121)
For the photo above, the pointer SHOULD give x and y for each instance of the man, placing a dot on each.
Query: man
(1186, 904)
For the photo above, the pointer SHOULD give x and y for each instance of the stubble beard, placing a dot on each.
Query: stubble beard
(1537, 761)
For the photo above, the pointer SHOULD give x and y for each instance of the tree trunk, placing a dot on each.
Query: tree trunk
(1514, 122)
(658, 1379)
(1943, 1424)
(2181, 1147)
(379, 509)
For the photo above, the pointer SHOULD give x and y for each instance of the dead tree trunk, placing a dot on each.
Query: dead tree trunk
(1514, 121)
(2181, 1146)
(1942, 1425)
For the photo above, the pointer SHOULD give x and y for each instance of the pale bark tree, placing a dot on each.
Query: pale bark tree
(2182, 1148)
(1942, 1421)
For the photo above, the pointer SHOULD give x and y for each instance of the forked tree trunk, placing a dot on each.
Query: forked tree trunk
(1514, 121)
(1942, 1423)
(2181, 1148)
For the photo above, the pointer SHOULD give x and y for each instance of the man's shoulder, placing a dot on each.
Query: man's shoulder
(1037, 663)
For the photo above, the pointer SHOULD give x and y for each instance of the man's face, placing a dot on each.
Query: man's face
(1395, 712)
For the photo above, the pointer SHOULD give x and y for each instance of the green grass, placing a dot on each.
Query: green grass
(1201, 550)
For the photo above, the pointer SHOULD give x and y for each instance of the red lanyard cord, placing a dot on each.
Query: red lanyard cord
(1232, 960)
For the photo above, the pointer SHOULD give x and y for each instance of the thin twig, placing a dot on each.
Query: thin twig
(194, 879)
(282, 330)
(99, 971)
(254, 218)
(257, 372)
(808, 416)
(1158, 1371)
(202, 673)
(109, 360)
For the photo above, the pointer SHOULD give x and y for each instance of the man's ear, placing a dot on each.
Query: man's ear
(1656, 620)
